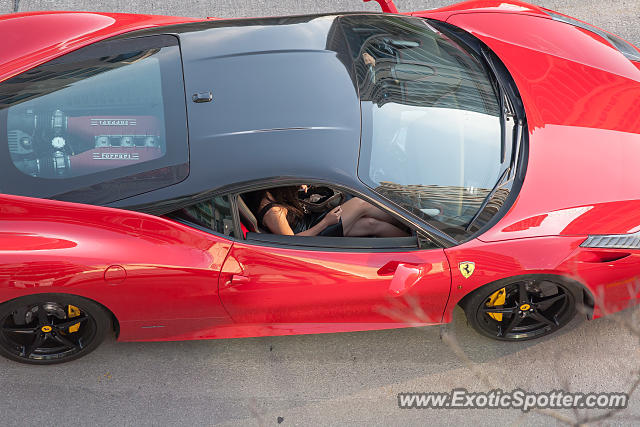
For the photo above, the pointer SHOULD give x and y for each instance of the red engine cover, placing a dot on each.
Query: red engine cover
(119, 141)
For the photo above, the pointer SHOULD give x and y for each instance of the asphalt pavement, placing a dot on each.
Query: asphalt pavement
(328, 379)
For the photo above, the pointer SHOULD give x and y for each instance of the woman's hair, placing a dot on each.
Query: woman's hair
(286, 196)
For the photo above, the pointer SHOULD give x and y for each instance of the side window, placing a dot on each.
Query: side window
(321, 216)
(110, 116)
(214, 214)
(306, 206)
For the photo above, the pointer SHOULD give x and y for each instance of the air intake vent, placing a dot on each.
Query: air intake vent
(14, 137)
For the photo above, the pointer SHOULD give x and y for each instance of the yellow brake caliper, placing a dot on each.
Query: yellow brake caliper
(497, 298)
(73, 311)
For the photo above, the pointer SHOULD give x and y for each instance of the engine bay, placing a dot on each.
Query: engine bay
(51, 143)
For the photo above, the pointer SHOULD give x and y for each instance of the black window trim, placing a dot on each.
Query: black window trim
(349, 244)
(424, 239)
(325, 242)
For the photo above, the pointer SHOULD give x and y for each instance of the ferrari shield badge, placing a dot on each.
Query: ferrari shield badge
(467, 268)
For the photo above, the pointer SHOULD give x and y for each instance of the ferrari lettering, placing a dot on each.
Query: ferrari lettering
(113, 122)
(116, 156)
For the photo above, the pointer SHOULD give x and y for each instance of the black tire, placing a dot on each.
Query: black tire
(39, 329)
(534, 306)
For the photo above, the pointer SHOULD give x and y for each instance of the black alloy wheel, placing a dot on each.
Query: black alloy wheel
(521, 309)
(51, 328)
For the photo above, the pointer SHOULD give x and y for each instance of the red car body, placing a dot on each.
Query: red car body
(163, 280)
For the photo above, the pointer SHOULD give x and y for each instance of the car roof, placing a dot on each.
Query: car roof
(284, 104)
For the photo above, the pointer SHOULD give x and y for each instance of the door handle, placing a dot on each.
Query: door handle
(392, 266)
(199, 97)
(228, 279)
(405, 276)
(237, 279)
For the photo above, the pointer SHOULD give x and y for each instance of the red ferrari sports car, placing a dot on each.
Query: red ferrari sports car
(499, 137)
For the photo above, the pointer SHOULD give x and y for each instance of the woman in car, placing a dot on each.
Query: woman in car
(280, 212)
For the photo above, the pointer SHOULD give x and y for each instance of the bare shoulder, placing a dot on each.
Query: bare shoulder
(275, 219)
(276, 211)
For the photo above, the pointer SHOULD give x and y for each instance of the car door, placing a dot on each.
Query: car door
(266, 279)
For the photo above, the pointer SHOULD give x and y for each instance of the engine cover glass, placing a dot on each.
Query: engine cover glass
(99, 113)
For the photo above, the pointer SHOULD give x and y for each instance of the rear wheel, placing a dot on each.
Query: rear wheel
(519, 309)
(51, 328)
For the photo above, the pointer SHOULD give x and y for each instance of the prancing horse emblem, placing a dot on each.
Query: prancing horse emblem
(467, 268)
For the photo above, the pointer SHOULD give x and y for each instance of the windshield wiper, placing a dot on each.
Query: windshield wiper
(488, 198)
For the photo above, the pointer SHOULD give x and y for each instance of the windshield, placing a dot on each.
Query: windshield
(431, 136)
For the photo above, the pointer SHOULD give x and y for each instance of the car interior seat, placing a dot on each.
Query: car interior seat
(247, 217)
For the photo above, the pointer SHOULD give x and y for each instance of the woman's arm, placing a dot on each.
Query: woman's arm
(276, 220)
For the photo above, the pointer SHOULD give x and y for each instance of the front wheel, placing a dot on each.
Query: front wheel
(51, 328)
(519, 309)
